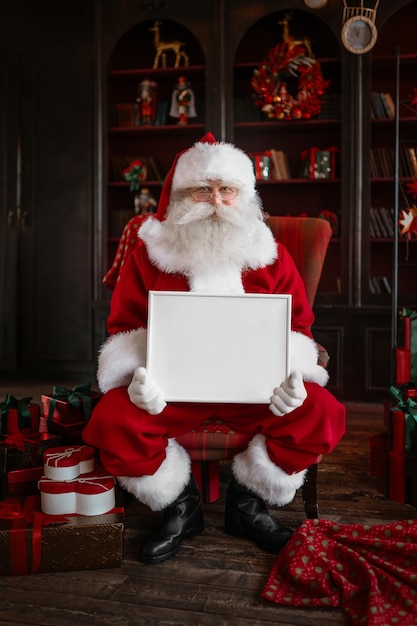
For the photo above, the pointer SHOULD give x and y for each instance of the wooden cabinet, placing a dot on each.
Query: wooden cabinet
(46, 249)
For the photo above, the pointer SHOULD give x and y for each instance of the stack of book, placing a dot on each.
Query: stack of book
(382, 106)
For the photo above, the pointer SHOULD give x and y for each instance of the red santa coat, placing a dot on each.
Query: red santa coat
(134, 443)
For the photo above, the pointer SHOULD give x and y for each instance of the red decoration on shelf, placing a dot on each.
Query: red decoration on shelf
(413, 98)
(135, 174)
(290, 67)
(408, 222)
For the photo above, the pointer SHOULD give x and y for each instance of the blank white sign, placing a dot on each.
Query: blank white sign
(217, 348)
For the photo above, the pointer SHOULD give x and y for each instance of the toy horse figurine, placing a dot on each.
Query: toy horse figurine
(162, 46)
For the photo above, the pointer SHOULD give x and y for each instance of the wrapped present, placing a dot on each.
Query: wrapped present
(65, 463)
(69, 406)
(24, 482)
(88, 494)
(33, 542)
(23, 450)
(71, 434)
(67, 411)
(404, 409)
(409, 317)
(18, 414)
(319, 164)
(378, 465)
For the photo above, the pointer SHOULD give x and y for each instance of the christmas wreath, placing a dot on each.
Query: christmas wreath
(289, 84)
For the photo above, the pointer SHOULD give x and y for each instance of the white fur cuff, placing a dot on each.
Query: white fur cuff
(254, 470)
(304, 356)
(161, 489)
(119, 356)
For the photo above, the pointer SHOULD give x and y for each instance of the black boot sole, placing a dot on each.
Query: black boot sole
(239, 531)
(195, 530)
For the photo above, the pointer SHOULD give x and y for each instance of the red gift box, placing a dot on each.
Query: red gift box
(19, 414)
(69, 406)
(379, 455)
(397, 490)
(24, 482)
(66, 463)
(32, 542)
(70, 434)
(88, 494)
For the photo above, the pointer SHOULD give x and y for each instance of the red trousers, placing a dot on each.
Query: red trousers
(132, 442)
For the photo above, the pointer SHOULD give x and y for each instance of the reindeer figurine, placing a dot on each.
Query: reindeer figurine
(290, 40)
(162, 46)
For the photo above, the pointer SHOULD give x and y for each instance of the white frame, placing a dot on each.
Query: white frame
(217, 348)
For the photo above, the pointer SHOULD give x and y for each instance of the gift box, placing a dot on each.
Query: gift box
(23, 450)
(69, 406)
(33, 542)
(70, 434)
(88, 494)
(19, 414)
(66, 463)
(67, 411)
(319, 164)
(397, 489)
(24, 482)
(379, 455)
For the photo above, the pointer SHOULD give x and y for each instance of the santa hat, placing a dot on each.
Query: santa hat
(208, 159)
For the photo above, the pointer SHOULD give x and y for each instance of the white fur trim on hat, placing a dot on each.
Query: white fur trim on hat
(119, 356)
(304, 356)
(214, 161)
(161, 489)
(253, 469)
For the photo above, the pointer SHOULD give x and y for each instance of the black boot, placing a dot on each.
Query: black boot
(247, 516)
(183, 518)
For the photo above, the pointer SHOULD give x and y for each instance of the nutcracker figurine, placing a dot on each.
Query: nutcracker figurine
(145, 203)
(146, 102)
(183, 102)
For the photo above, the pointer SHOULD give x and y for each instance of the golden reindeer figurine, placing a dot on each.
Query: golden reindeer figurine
(290, 40)
(162, 46)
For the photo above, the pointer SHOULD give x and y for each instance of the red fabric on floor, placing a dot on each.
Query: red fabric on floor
(368, 571)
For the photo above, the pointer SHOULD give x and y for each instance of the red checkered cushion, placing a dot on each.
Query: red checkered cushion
(213, 441)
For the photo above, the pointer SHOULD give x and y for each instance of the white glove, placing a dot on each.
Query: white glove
(144, 392)
(289, 396)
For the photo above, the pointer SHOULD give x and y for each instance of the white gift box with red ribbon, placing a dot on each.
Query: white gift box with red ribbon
(87, 494)
(66, 462)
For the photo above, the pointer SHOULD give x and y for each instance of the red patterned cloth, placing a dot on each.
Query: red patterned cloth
(369, 571)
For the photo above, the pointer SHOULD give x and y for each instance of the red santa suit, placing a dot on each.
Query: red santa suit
(141, 449)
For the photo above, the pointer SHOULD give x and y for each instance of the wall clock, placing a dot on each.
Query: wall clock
(315, 4)
(359, 34)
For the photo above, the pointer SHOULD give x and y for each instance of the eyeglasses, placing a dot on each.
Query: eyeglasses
(205, 195)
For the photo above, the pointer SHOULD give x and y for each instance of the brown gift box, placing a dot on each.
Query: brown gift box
(23, 450)
(32, 542)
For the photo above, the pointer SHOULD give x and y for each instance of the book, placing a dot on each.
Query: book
(281, 169)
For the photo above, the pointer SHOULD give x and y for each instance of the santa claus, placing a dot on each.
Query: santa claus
(209, 236)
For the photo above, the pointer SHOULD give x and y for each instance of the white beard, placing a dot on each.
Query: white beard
(211, 245)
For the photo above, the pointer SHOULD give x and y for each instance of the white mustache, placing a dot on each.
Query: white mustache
(203, 210)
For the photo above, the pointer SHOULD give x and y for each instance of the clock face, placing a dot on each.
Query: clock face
(359, 34)
(315, 4)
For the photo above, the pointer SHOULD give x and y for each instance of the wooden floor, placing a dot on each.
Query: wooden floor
(214, 579)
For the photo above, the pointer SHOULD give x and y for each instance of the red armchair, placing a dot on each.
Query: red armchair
(307, 240)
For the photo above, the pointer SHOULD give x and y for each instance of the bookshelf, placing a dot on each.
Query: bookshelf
(153, 140)
(295, 140)
(394, 71)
